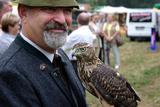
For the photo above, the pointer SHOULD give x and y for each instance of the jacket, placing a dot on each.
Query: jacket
(28, 79)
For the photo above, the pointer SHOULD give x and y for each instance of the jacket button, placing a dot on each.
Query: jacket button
(55, 74)
(43, 67)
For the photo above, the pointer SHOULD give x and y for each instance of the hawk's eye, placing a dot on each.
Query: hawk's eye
(83, 49)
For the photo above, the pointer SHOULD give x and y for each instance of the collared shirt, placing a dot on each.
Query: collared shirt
(50, 56)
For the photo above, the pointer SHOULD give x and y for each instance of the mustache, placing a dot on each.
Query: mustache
(55, 25)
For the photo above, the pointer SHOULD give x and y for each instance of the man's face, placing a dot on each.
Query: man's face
(48, 26)
(7, 7)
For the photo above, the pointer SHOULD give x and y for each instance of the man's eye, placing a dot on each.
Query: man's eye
(67, 11)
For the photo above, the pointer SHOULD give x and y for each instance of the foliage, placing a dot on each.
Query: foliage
(126, 3)
(133, 3)
(157, 5)
(94, 3)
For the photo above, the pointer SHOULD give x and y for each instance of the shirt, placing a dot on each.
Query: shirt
(5, 40)
(82, 34)
(50, 56)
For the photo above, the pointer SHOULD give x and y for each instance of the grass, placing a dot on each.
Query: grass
(141, 67)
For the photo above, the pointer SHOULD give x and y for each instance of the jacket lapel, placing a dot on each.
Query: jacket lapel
(60, 85)
(76, 86)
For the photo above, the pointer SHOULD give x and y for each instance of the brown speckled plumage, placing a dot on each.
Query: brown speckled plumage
(102, 81)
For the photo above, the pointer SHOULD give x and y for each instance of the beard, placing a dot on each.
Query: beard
(54, 40)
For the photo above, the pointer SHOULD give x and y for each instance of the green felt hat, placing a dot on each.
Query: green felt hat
(50, 3)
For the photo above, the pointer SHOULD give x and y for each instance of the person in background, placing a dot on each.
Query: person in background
(95, 28)
(100, 23)
(82, 34)
(10, 29)
(34, 72)
(5, 6)
(110, 31)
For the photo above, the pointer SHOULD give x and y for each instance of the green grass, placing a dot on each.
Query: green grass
(141, 68)
(146, 77)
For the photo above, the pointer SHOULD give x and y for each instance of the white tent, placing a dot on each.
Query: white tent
(15, 11)
(110, 9)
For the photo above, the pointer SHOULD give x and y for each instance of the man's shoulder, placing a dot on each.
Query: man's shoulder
(9, 54)
(83, 30)
(21, 54)
(17, 58)
(84, 27)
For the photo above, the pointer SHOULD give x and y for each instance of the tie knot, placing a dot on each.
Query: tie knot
(56, 60)
(56, 56)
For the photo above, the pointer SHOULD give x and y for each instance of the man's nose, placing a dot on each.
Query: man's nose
(61, 17)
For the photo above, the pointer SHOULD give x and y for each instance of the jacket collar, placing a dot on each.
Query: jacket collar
(31, 49)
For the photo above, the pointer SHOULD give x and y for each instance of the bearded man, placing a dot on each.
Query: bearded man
(33, 71)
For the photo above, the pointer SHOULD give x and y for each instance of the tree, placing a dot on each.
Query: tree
(133, 3)
(94, 2)
(126, 3)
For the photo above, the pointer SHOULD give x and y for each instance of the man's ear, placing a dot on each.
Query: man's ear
(22, 11)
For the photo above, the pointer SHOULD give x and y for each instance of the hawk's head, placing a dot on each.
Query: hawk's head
(83, 51)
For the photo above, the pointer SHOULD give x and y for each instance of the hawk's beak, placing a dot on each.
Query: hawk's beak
(73, 55)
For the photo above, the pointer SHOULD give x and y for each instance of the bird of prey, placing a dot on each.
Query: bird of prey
(102, 81)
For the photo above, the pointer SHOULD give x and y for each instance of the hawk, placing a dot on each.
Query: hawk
(102, 81)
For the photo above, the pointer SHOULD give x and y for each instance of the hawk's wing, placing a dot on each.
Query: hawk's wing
(113, 87)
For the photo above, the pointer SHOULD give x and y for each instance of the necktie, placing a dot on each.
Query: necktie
(57, 63)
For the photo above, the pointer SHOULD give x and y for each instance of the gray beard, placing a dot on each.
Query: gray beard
(54, 40)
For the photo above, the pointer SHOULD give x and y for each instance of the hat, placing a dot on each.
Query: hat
(50, 3)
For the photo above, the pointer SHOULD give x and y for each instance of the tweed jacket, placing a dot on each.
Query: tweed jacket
(28, 79)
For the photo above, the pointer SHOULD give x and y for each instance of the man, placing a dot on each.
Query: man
(82, 34)
(5, 6)
(27, 76)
